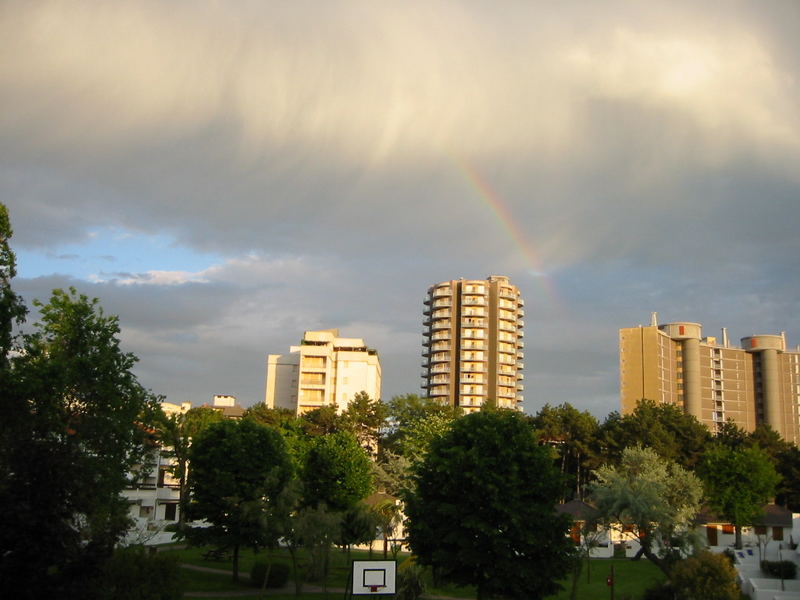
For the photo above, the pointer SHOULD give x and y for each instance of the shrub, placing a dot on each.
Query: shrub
(410, 582)
(662, 591)
(135, 574)
(779, 568)
(278, 575)
(706, 575)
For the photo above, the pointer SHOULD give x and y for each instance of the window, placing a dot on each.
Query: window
(777, 534)
(170, 512)
(728, 529)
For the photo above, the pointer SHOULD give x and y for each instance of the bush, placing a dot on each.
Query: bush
(135, 574)
(278, 575)
(662, 591)
(410, 582)
(706, 575)
(779, 568)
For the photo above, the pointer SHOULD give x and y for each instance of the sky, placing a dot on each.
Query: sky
(227, 175)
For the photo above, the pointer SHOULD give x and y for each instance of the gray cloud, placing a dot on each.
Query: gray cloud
(343, 156)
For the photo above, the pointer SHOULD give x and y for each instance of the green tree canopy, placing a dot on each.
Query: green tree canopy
(573, 434)
(337, 472)
(483, 512)
(654, 498)
(674, 435)
(239, 469)
(74, 423)
(365, 418)
(738, 483)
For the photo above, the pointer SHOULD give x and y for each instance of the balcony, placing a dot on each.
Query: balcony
(473, 301)
(520, 323)
(520, 387)
(442, 303)
(521, 312)
(520, 354)
(520, 376)
(473, 322)
(520, 344)
(441, 335)
(440, 379)
(474, 369)
(471, 381)
(442, 314)
(470, 359)
(473, 345)
(440, 368)
(520, 364)
(443, 291)
(507, 293)
(440, 324)
(473, 334)
(441, 347)
(506, 326)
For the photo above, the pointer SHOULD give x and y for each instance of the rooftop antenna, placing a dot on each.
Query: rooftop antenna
(653, 319)
(724, 337)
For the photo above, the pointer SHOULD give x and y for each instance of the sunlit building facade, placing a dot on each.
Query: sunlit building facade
(757, 382)
(473, 346)
(324, 370)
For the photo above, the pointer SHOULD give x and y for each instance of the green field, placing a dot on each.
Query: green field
(631, 578)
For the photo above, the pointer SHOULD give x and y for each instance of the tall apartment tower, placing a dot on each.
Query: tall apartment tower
(324, 370)
(473, 345)
(673, 363)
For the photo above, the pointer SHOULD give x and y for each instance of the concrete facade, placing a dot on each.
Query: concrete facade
(472, 346)
(757, 382)
(324, 370)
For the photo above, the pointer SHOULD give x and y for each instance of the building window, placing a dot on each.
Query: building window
(170, 512)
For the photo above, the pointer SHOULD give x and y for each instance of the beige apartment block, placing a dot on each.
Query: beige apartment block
(324, 370)
(473, 347)
(758, 382)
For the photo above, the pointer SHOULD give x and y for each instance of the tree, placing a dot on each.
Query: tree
(483, 512)
(176, 433)
(706, 575)
(12, 309)
(573, 434)
(738, 483)
(653, 499)
(337, 472)
(365, 417)
(239, 469)
(405, 412)
(74, 423)
(673, 434)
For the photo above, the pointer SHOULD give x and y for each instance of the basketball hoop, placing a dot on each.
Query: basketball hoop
(373, 588)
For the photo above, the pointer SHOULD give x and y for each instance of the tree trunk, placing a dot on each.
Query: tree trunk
(236, 562)
(183, 495)
(738, 540)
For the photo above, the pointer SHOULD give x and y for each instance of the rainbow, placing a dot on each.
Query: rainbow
(500, 210)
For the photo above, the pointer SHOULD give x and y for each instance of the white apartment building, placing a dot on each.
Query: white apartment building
(324, 370)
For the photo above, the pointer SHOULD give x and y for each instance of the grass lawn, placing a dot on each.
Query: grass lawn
(632, 578)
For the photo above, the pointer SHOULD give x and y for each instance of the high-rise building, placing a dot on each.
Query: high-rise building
(473, 343)
(673, 363)
(324, 370)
